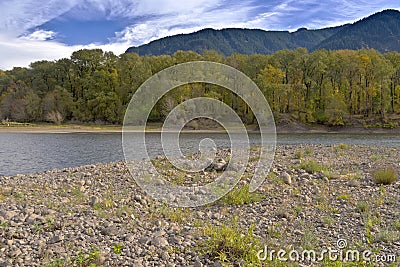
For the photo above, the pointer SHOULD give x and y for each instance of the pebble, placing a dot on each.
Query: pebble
(287, 179)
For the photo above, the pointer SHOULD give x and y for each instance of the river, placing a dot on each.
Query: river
(24, 153)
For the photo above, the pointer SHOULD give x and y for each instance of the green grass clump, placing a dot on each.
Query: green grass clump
(343, 197)
(387, 236)
(396, 225)
(385, 176)
(362, 206)
(312, 166)
(308, 151)
(117, 249)
(298, 154)
(230, 243)
(88, 258)
(241, 196)
(343, 146)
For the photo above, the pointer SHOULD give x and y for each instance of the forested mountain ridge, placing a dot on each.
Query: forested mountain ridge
(380, 31)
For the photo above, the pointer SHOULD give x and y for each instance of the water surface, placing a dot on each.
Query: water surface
(34, 152)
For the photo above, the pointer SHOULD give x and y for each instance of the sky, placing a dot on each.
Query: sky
(33, 30)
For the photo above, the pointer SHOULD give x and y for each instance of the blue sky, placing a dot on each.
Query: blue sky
(52, 29)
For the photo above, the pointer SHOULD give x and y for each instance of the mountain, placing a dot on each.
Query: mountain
(380, 31)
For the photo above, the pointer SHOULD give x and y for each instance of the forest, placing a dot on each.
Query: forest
(92, 86)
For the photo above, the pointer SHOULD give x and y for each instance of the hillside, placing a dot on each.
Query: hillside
(380, 31)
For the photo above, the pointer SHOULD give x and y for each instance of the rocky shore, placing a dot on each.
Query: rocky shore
(97, 215)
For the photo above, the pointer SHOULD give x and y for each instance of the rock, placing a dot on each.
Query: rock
(160, 241)
(219, 166)
(55, 239)
(296, 161)
(7, 215)
(130, 238)
(6, 263)
(305, 175)
(34, 218)
(198, 263)
(94, 200)
(144, 240)
(159, 233)
(110, 230)
(287, 179)
(298, 232)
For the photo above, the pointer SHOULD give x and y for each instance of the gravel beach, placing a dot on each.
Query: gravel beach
(96, 215)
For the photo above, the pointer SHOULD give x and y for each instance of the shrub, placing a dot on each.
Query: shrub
(385, 176)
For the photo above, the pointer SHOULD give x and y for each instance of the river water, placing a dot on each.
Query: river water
(24, 153)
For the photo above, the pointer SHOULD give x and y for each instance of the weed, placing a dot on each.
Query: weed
(37, 228)
(241, 196)
(331, 175)
(78, 195)
(362, 206)
(230, 243)
(56, 263)
(273, 231)
(312, 167)
(396, 225)
(387, 236)
(308, 151)
(309, 240)
(343, 146)
(328, 220)
(298, 209)
(178, 215)
(343, 197)
(117, 249)
(19, 195)
(179, 178)
(198, 223)
(385, 176)
(298, 154)
(90, 258)
(335, 210)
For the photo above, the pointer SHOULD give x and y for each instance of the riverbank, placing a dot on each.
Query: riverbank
(282, 127)
(98, 215)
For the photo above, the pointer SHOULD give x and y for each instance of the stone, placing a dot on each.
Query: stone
(94, 200)
(56, 239)
(144, 240)
(198, 263)
(130, 238)
(6, 263)
(160, 241)
(7, 215)
(287, 179)
(110, 230)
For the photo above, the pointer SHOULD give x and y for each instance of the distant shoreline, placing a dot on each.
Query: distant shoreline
(280, 129)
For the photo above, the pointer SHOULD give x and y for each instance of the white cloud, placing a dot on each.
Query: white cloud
(153, 19)
(20, 52)
(21, 15)
(40, 35)
(193, 19)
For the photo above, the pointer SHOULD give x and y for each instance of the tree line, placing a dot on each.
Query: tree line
(93, 86)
